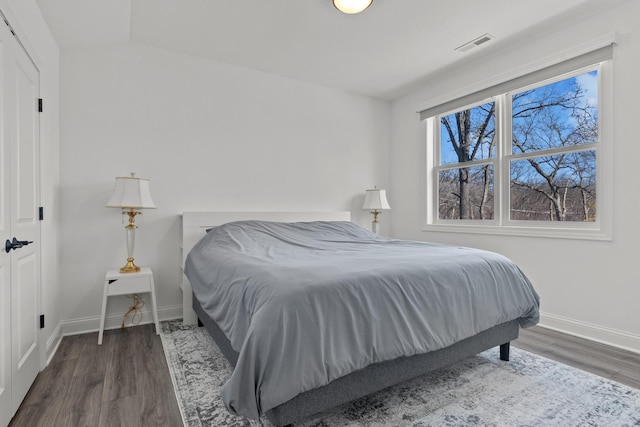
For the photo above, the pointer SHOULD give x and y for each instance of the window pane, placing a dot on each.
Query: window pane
(468, 135)
(561, 114)
(466, 193)
(554, 188)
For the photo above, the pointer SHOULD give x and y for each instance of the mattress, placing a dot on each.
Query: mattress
(304, 304)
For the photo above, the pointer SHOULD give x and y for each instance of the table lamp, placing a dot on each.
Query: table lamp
(131, 193)
(375, 200)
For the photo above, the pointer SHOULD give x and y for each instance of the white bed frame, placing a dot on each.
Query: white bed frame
(194, 225)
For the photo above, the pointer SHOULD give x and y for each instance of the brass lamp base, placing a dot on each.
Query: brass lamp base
(130, 267)
(375, 222)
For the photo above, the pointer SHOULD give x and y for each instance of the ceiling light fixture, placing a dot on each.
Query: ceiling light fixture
(352, 6)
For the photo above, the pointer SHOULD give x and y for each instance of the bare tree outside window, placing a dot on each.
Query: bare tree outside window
(555, 187)
(467, 135)
(551, 159)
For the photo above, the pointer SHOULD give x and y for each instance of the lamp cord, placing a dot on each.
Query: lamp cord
(135, 309)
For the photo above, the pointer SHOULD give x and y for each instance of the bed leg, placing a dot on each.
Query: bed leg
(200, 324)
(504, 352)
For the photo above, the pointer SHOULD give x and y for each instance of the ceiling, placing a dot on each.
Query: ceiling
(381, 52)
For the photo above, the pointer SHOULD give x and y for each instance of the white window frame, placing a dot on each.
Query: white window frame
(495, 161)
(600, 229)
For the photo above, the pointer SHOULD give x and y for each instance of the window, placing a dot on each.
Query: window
(528, 160)
(554, 137)
(467, 145)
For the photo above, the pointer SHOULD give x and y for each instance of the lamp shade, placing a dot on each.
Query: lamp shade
(131, 192)
(352, 6)
(376, 199)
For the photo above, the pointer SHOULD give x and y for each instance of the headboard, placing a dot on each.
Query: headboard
(194, 225)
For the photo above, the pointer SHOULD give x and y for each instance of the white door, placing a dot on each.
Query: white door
(5, 231)
(25, 226)
(20, 268)
(5, 259)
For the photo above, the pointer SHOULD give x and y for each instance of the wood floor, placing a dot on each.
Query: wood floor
(603, 360)
(125, 382)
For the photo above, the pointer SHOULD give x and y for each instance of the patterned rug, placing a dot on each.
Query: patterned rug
(528, 390)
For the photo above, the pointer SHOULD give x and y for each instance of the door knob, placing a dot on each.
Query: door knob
(15, 244)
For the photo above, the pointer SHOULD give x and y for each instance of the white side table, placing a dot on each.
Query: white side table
(116, 283)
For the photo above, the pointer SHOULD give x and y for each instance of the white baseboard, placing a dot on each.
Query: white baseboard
(53, 343)
(612, 337)
(615, 338)
(92, 324)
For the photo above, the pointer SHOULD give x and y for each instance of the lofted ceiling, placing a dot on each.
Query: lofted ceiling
(380, 53)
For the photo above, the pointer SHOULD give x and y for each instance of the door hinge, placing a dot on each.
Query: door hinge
(41, 213)
(42, 321)
(39, 105)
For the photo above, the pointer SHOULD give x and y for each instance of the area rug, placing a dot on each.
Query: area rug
(529, 390)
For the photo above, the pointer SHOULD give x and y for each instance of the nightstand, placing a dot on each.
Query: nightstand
(116, 283)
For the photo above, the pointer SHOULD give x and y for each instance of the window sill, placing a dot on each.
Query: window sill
(578, 233)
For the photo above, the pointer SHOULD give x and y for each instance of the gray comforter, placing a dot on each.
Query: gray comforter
(306, 303)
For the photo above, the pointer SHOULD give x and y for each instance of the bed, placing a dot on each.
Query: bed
(318, 313)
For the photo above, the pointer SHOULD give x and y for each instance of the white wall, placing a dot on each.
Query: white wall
(588, 288)
(209, 136)
(24, 16)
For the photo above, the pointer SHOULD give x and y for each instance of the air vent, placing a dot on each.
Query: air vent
(475, 42)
